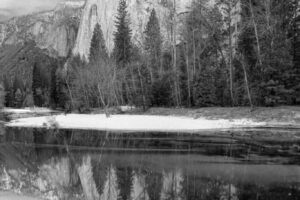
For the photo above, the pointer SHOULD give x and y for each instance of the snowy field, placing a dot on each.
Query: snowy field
(26, 110)
(131, 123)
(5, 195)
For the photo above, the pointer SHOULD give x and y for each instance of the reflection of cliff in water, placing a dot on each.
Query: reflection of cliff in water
(108, 166)
(278, 146)
(73, 176)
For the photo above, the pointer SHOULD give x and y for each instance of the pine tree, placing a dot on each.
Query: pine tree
(17, 84)
(18, 99)
(296, 49)
(37, 85)
(2, 96)
(53, 89)
(8, 92)
(122, 37)
(61, 90)
(153, 45)
(28, 98)
(183, 75)
(124, 175)
(264, 40)
(98, 49)
(154, 184)
(10, 97)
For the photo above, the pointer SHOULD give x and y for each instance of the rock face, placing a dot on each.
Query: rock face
(54, 30)
(18, 61)
(104, 12)
(70, 25)
(90, 17)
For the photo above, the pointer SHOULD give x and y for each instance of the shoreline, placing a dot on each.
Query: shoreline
(159, 119)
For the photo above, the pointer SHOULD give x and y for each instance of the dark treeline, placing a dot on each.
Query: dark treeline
(235, 53)
(26, 76)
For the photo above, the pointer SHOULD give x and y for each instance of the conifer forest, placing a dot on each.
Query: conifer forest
(231, 53)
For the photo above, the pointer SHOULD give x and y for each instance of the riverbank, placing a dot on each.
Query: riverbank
(284, 116)
(278, 149)
(168, 120)
(6, 195)
(16, 113)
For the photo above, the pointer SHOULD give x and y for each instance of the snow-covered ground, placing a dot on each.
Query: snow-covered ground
(5, 195)
(26, 110)
(131, 123)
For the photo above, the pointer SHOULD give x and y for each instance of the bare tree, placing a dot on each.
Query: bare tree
(174, 36)
(188, 75)
(229, 8)
(2, 96)
(243, 62)
(96, 85)
(255, 26)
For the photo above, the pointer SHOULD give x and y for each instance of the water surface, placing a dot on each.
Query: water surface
(70, 164)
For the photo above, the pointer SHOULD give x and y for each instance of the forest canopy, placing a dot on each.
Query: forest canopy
(235, 53)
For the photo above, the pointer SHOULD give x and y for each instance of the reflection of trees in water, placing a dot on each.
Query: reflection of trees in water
(229, 192)
(26, 154)
(124, 175)
(37, 139)
(124, 180)
(2, 129)
(86, 178)
(68, 177)
(111, 190)
(86, 138)
(58, 171)
(208, 188)
(139, 189)
(61, 175)
(19, 135)
(172, 188)
(154, 184)
(280, 191)
(45, 137)
(22, 137)
(99, 174)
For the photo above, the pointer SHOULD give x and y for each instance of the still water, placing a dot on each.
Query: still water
(68, 164)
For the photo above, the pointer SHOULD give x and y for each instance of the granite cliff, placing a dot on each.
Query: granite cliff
(54, 30)
(104, 12)
(70, 25)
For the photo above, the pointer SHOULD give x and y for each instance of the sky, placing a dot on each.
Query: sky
(10, 8)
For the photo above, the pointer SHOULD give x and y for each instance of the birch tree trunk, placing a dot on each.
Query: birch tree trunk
(176, 84)
(230, 55)
(194, 63)
(256, 33)
(188, 76)
(246, 80)
(143, 88)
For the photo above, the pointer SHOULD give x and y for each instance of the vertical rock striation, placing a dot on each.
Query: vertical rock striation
(95, 11)
(54, 30)
(70, 26)
(104, 12)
